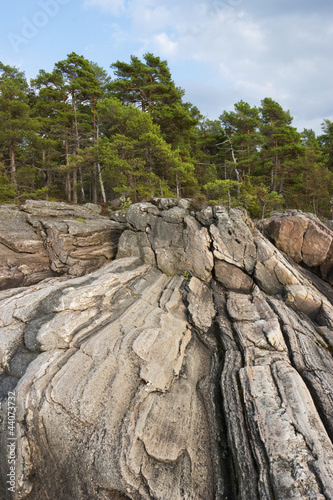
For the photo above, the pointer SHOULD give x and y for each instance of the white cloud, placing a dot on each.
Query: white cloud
(165, 45)
(244, 50)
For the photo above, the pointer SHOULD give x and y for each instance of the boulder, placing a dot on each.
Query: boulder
(304, 239)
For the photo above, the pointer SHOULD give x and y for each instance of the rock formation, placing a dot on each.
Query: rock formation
(197, 365)
(45, 239)
(305, 239)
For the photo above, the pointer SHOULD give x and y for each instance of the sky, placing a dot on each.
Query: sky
(218, 51)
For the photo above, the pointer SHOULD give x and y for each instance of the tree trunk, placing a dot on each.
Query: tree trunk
(100, 178)
(68, 188)
(77, 147)
(101, 182)
(94, 184)
(45, 173)
(281, 184)
(234, 159)
(83, 195)
(177, 187)
(12, 164)
(74, 185)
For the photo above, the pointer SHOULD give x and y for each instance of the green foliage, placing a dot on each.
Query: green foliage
(125, 203)
(326, 143)
(223, 191)
(268, 200)
(136, 158)
(75, 134)
(149, 85)
(7, 190)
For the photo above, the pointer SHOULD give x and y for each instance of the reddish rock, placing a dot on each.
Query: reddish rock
(304, 239)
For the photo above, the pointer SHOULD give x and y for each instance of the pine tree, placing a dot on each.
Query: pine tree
(135, 157)
(326, 142)
(149, 86)
(16, 126)
(66, 103)
(282, 144)
(243, 139)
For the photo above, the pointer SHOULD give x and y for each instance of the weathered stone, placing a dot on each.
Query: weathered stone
(45, 209)
(49, 238)
(212, 379)
(180, 250)
(272, 273)
(167, 203)
(139, 215)
(135, 244)
(174, 215)
(287, 233)
(140, 343)
(231, 277)
(233, 239)
(23, 257)
(78, 247)
(200, 305)
(205, 216)
(118, 216)
(303, 238)
(316, 245)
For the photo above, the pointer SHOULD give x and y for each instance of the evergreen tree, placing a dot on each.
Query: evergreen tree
(136, 158)
(282, 143)
(16, 126)
(326, 142)
(66, 103)
(243, 139)
(205, 147)
(149, 86)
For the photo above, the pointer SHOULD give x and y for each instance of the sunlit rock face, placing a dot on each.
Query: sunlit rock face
(304, 238)
(197, 365)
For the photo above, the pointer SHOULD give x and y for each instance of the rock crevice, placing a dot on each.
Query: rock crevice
(197, 365)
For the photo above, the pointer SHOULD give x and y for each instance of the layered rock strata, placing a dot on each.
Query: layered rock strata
(44, 239)
(197, 365)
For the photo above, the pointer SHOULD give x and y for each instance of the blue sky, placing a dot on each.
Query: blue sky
(218, 51)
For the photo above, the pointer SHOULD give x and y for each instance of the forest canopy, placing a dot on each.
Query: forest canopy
(79, 135)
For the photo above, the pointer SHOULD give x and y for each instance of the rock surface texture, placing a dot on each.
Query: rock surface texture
(44, 239)
(303, 238)
(196, 366)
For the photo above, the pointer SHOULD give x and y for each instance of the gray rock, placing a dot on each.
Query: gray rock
(44, 239)
(24, 259)
(212, 379)
(174, 215)
(231, 277)
(77, 247)
(42, 208)
(118, 216)
(233, 239)
(205, 216)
